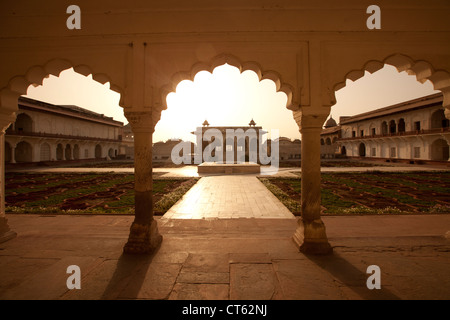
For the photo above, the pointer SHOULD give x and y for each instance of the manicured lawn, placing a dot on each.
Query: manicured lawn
(371, 193)
(86, 193)
(342, 193)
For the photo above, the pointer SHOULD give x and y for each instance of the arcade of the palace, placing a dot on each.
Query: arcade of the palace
(44, 132)
(415, 131)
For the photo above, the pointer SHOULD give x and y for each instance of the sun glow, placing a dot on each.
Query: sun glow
(224, 98)
(377, 90)
(71, 88)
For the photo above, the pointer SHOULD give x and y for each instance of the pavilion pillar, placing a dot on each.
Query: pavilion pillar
(144, 235)
(310, 235)
(5, 232)
(13, 152)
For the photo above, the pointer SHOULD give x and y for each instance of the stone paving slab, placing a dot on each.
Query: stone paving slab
(253, 281)
(227, 197)
(200, 291)
(226, 259)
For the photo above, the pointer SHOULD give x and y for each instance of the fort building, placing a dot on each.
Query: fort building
(45, 132)
(236, 145)
(414, 131)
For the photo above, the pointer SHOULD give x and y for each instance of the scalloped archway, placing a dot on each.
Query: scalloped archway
(235, 62)
(423, 70)
(9, 95)
(19, 84)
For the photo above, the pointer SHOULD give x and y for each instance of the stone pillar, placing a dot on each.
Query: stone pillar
(310, 235)
(447, 139)
(53, 147)
(144, 236)
(13, 152)
(224, 145)
(5, 232)
(235, 153)
(257, 146)
(35, 151)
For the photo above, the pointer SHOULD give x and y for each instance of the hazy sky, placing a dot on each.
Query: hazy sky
(227, 97)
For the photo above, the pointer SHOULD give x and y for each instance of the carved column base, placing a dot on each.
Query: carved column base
(311, 238)
(144, 238)
(5, 233)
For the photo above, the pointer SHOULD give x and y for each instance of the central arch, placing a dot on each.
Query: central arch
(233, 61)
(310, 235)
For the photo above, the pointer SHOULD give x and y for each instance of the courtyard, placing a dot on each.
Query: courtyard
(216, 247)
(302, 233)
(374, 191)
(95, 193)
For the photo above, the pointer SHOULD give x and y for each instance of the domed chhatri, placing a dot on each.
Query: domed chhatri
(252, 123)
(330, 123)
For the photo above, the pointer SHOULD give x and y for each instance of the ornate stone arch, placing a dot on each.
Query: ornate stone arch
(423, 70)
(45, 152)
(235, 62)
(27, 121)
(19, 84)
(24, 151)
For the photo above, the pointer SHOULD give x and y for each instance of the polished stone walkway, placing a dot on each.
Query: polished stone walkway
(221, 259)
(227, 197)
